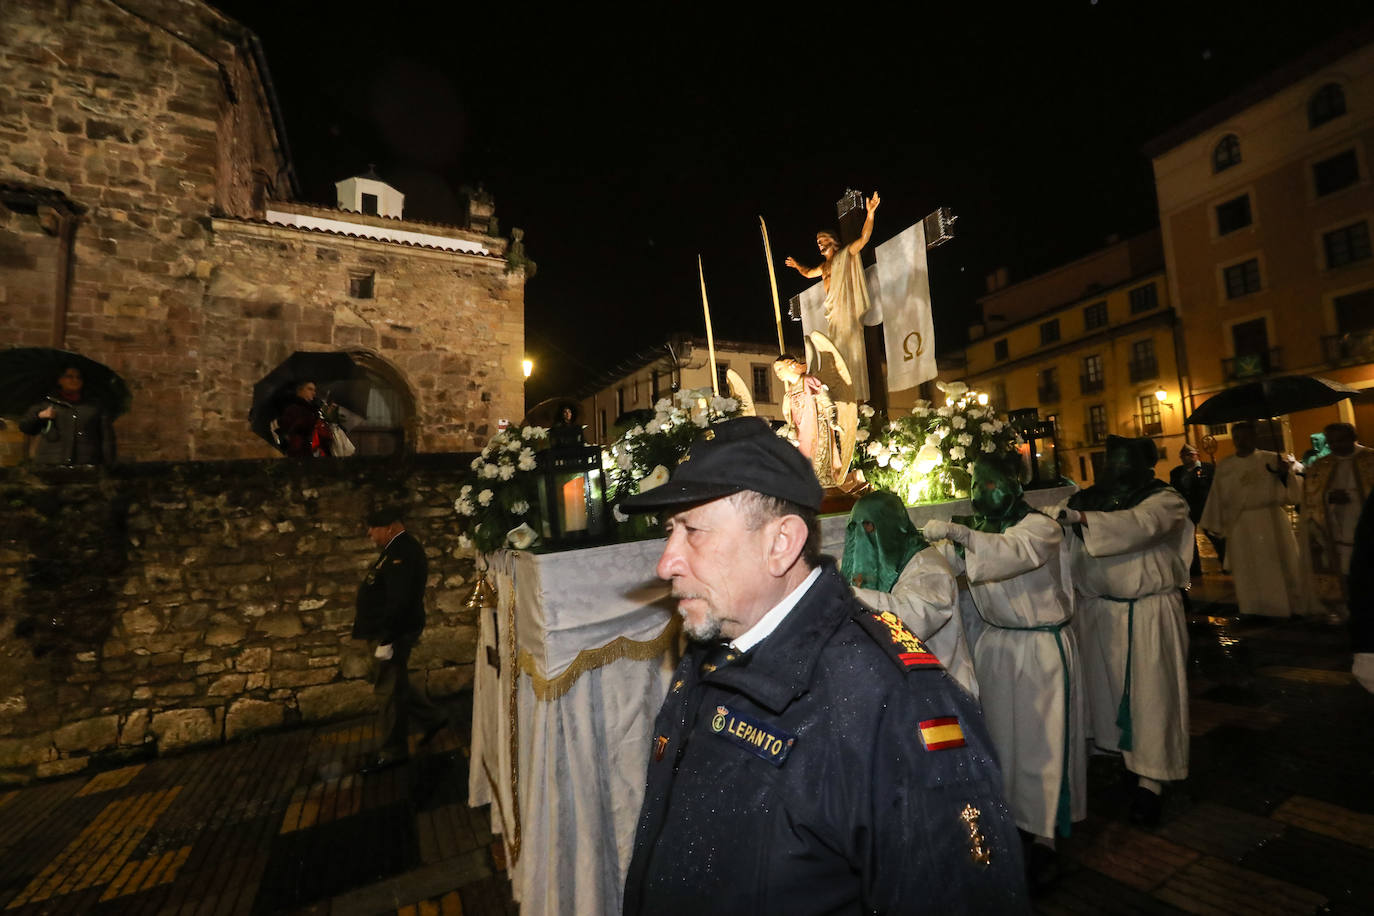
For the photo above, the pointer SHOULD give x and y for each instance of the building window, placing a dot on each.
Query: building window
(1226, 154)
(1242, 279)
(999, 350)
(723, 378)
(1144, 298)
(1049, 331)
(1326, 104)
(602, 435)
(1218, 429)
(763, 393)
(360, 284)
(1097, 423)
(369, 205)
(653, 386)
(1347, 244)
(1092, 379)
(1355, 312)
(1049, 386)
(1095, 316)
(1338, 172)
(1233, 215)
(1150, 424)
(997, 395)
(1143, 363)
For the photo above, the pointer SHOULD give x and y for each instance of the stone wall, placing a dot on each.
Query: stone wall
(160, 606)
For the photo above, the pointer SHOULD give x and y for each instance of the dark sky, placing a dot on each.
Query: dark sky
(626, 144)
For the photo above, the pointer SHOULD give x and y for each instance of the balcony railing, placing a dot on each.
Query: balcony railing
(1142, 369)
(1252, 365)
(1088, 385)
(1349, 349)
(1049, 394)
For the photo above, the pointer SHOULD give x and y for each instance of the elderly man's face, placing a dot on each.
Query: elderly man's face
(718, 569)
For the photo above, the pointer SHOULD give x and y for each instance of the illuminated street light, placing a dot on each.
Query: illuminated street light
(1161, 395)
(528, 366)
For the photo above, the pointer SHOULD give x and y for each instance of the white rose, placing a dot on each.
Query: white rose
(506, 471)
(521, 537)
(964, 439)
(987, 428)
(861, 435)
(897, 463)
(464, 542)
(477, 463)
(989, 446)
(490, 470)
(958, 422)
(484, 498)
(874, 448)
(865, 411)
(527, 464)
(933, 439)
(653, 426)
(701, 418)
(945, 411)
(663, 405)
(956, 453)
(656, 478)
(534, 432)
(463, 506)
(637, 431)
(519, 507)
(884, 456)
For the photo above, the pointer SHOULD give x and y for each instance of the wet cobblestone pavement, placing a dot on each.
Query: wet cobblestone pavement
(1277, 815)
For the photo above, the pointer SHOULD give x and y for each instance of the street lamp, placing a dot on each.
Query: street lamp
(528, 366)
(1161, 395)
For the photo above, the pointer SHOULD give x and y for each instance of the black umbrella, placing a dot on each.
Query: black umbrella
(28, 374)
(1270, 398)
(274, 389)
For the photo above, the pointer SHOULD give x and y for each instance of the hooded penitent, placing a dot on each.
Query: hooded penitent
(997, 497)
(879, 541)
(1127, 478)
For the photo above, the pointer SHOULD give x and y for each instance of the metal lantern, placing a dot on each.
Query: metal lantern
(572, 495)
(1041, 449)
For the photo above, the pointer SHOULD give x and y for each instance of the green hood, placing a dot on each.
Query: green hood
(881, 554)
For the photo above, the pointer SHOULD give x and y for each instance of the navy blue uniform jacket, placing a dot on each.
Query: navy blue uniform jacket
(834, 768)
(391, 600)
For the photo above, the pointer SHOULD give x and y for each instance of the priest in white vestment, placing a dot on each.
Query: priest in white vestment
(891, 567)
(1027, 659)
(1131, 542)
(1246, 507)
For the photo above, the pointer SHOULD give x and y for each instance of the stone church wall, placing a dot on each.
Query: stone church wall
(154, 607)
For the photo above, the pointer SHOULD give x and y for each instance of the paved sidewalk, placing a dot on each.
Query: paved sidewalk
(1276, 817)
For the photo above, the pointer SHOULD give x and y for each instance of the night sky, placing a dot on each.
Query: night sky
(625, 145)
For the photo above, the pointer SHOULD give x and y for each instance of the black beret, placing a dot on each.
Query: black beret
(730, 457)
(383, 516)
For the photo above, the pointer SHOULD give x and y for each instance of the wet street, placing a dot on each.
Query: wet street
(1277, 815)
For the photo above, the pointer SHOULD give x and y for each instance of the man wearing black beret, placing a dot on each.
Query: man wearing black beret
(391, 613)
(811, 756)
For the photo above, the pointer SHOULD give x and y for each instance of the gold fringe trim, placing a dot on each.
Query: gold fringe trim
(589, 659)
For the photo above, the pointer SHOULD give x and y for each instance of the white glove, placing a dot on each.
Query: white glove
(384, 652)
(1070, 516)
(936, 530)
(1363, 669)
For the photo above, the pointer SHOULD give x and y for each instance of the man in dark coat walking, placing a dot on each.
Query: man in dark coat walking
(811, 756)
(391, 613)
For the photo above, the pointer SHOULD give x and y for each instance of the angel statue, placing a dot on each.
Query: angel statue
(819, 408)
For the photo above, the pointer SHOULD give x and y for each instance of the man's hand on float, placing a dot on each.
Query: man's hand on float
(384, 652)
(936, 530)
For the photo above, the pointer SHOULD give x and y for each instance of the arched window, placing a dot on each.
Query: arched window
(388, 426)
(1226, 154)
(1326, 104)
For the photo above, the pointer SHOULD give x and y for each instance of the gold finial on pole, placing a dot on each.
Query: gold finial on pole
(710, 337)
(772, 282)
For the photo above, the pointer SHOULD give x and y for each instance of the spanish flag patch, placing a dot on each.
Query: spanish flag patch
(942, 734)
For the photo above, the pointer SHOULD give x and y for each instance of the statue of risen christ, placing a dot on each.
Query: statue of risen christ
(846, 295)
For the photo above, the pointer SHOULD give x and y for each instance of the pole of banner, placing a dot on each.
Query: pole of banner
(772, 282)
(710, 337)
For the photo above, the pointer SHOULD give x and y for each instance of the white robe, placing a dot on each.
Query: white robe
(1141, 553)
(1245, 506)
(1030, 692)
(926, 598)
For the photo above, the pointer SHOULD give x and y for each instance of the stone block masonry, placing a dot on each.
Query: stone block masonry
(155, 607)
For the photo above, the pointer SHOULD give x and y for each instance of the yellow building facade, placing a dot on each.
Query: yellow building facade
(1265, 206)
(1097, 364)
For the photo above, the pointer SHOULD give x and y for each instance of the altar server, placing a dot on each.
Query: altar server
(1131, 542)
(1027, 658)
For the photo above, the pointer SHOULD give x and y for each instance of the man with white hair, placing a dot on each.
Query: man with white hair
(811, 755)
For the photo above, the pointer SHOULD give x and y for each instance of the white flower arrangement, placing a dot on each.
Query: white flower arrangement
(644, 451)
(498, 505)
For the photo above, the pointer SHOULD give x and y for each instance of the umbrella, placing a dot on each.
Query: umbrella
(323, 368)
(29, 374)
(1270, 398)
